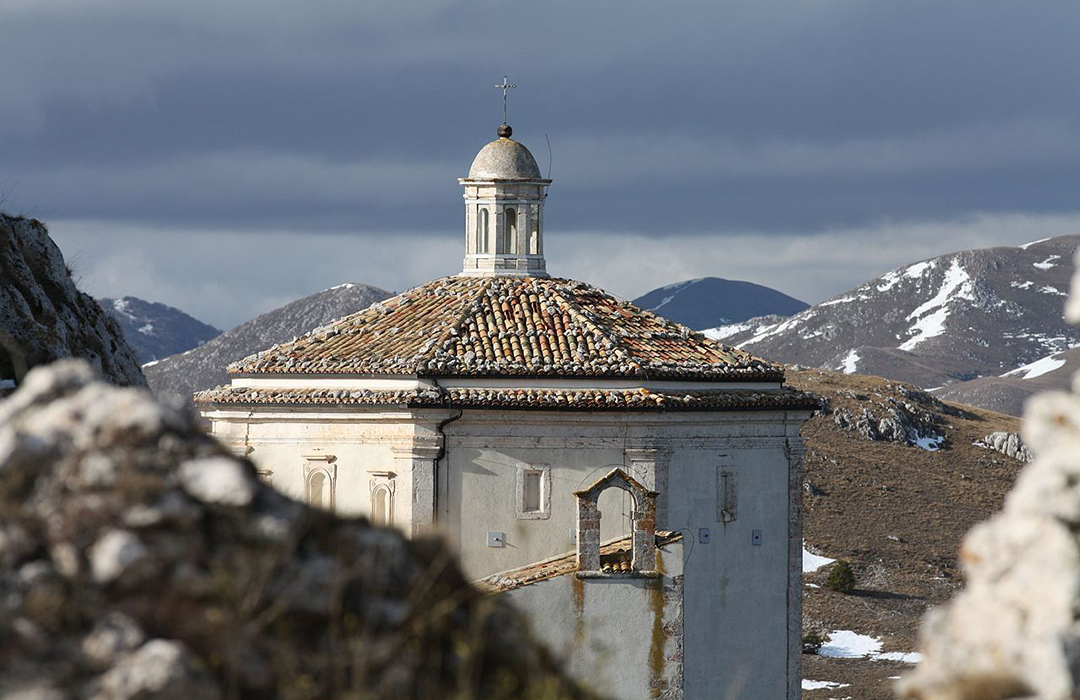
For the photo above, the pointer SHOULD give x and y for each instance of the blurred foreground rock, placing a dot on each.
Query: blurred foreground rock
(43, 315)
(139, 559)
(1014, 632)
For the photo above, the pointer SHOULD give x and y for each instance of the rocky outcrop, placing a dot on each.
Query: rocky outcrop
(1009, 444)
(1013, 631)
(44, 317)
(904, 415)
(140, 559)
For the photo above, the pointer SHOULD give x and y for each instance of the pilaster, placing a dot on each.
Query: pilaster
(414, 506)
(650, 466)
(795, 450)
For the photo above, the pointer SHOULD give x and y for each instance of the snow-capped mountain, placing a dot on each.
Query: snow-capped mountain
(710, 301)
(204, 367)
(156, 330)
(949, 319)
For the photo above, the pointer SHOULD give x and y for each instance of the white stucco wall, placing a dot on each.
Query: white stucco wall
(738, 594)
(740, 597)
(363, 446)
(619, 636)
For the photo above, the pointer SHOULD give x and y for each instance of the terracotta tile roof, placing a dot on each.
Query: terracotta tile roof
(539, 399)
(612, 555)
(508, 327)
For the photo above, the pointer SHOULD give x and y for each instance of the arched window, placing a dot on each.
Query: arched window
(534, 230)
(510, 232)
(380, 514)
(382, 498)
(643, 523)
(482, 228)
(616, 508)
(318, 489)
(320, 473)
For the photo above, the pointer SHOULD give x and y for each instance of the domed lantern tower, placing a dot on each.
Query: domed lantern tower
(504, 211)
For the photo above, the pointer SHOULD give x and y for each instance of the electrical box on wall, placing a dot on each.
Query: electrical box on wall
(755, 538)
(496, 539)
(703, 535)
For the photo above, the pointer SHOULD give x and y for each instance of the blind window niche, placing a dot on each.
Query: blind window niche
(532, 492)
(533, 497)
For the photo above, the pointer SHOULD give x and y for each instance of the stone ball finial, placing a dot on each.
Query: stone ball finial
(504, 131)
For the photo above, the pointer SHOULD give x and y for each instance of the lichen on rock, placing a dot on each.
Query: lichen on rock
(138, 559)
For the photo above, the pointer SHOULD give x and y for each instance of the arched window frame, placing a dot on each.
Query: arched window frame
(509, 245)
(643, 534)
(382, 482)
(534, 230)
(320, 464)
(483, 229)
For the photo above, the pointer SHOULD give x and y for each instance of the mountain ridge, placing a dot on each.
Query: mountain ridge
(706, 301)
(203, 367)
(934, 323)
(156, 330)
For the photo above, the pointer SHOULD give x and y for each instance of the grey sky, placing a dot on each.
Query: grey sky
(226, 157)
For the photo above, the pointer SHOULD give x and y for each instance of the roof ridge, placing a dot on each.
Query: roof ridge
(462, 317)
(596, 327)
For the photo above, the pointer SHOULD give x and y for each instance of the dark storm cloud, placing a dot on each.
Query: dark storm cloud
(664, 118)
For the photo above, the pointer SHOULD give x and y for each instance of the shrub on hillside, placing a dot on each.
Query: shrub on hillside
(841, 577)
(812, 642)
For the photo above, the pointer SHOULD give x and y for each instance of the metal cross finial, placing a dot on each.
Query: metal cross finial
(505, 86)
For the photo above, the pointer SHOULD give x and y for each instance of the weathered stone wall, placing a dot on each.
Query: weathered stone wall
(44, 317)
(139, 559)
(623, 634)
(1014, 631)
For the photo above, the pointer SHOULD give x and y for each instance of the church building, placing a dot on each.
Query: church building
(632, 486)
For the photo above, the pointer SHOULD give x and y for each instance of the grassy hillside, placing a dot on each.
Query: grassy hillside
(896, 511)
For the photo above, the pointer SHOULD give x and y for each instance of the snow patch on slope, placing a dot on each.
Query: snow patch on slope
(123, 307)
(849, 365)
(821, 685)
(1037, 368)
(891, 279)
(812, 562)
(845, 644)
(1048, 263)
(721, 332)
(930, 443)
(676, 289)
(766, 331)
(930, 317)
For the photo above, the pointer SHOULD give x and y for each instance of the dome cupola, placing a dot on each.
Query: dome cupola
(504, 159)
(504, 211)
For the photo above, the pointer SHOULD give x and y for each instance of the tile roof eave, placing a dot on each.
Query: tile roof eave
(517, 399)
(766, 374)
